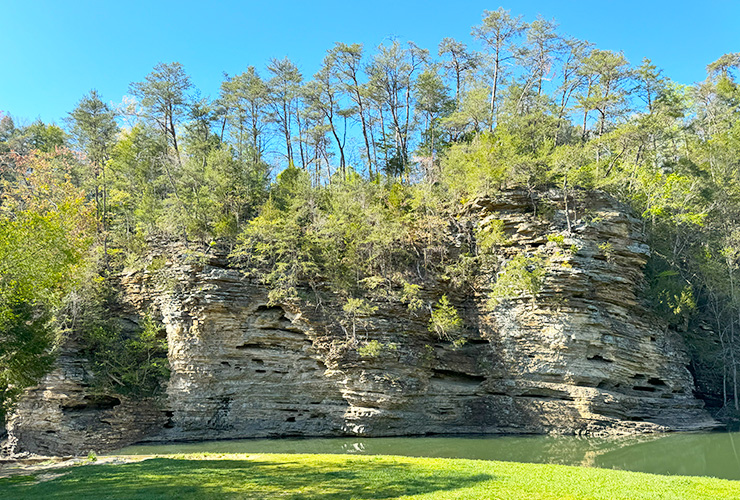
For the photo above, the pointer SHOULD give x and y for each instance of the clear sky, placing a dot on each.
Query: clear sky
(53, 52)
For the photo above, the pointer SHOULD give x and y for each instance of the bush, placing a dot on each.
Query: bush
(133, 364)
(445, 321)
(558, 239)
(607, 250)
(491, 236)
(373, 349)
(521, 276)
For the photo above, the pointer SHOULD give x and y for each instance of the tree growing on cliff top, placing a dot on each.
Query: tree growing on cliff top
(93, 126)
(165, 99)
(499, 31)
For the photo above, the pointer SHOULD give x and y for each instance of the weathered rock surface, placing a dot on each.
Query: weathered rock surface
(583, 356)
(61, 416)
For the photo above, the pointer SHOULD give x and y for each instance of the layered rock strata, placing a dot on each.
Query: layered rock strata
(62, 416)
(581, 356)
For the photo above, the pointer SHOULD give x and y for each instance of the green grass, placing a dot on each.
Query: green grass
(206, 476)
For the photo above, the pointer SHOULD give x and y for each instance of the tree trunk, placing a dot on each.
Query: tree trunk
(494, 90)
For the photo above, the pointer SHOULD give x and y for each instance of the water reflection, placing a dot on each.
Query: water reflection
(701, 454)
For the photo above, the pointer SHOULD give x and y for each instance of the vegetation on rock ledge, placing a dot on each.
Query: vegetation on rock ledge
(378, 155)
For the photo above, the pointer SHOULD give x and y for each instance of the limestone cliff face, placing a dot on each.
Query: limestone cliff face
(583, 356)
(61, 416)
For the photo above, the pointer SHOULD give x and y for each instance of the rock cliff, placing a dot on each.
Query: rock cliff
(581, 356)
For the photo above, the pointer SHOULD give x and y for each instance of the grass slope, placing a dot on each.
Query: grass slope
(205, 476)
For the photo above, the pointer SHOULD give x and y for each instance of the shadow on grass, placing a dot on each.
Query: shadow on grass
(202, 479)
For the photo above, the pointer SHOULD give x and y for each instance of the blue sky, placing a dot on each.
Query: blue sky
(52, 52)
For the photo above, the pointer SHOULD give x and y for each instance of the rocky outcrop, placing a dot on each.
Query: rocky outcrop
(62, 416)
(582, 356)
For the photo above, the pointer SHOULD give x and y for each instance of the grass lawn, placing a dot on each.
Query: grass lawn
(204, 476)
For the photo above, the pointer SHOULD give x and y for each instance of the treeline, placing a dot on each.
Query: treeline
(353, 176)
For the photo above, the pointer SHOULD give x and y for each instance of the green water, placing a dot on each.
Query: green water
(697, 454)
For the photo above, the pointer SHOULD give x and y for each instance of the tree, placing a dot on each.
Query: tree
(607, 73)
(7, 127)
(93, 127)
(498, 32)
(473, 112)
(46, 138)
(283, 91)
(236, 188)
(245, 98)
(348, 67)
(650, 83)
(7, 132)
(542, 43)
(724, 65)
(199, 136)
(391, 85)
(574, 51)
(316, 141)
(139, 185)
(431, 101)
(164, 97)
(44, 229)
(460, 61)
(324, 94)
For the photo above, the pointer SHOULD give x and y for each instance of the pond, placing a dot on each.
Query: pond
(696, 454)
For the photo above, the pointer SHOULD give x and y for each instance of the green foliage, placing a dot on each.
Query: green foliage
(157, 264)
(522, 275)
(558, 239)
(445, 320)
(94, 128)
(133, 364)
(356, 311)
(358, 308)
(373, 349)
(280, 244)
(43, 223)
(545, 209)
(490, 236)
(410, 296)
(164, 98)
(27, 342)
(370, 349)
(461, 272)
(670, 295)
(331, 223)
(607, 250)
(128, 361)
(46, 138)
(360, 236)
(475, 168)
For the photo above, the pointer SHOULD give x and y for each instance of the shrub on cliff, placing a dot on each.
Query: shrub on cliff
(445, 321)
(133, 364)
(521, 276)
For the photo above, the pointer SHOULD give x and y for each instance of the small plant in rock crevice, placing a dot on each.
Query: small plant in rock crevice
(374, 348)
(607, 250)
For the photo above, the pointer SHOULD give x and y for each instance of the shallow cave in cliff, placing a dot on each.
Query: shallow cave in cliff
(93, 403)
